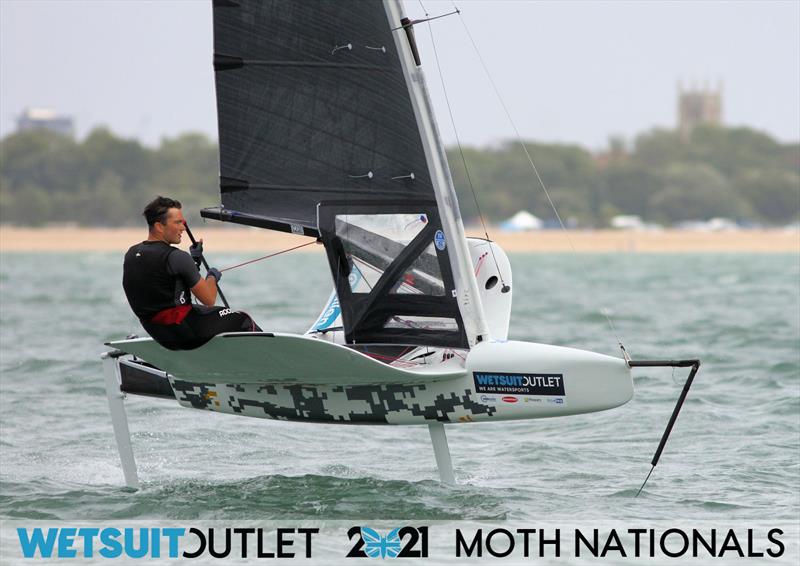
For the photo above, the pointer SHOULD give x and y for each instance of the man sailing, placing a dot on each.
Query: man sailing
(159, 280)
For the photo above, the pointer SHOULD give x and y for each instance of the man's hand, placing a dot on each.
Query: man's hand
(196, 251)
(206, 289)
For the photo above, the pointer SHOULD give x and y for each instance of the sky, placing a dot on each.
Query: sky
(568, 72)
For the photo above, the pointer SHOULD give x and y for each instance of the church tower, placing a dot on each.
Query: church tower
(698, 106)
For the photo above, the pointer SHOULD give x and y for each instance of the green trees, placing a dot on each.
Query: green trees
(504, 182)
(739, 173)
(694, 191)
(773, 194)
(105, 180)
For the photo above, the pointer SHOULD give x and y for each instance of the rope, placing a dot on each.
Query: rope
(461, 149)
(267, 256)
(395, 360)
(604, 311)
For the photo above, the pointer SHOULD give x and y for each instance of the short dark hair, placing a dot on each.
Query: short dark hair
(156, 210)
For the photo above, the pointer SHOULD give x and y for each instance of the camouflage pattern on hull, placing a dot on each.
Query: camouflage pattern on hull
(358, 404)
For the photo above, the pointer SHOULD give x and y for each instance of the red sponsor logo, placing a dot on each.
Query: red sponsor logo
(510, 399)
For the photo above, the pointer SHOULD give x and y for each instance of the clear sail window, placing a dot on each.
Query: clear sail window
(372, 243)
(422, 323)
(391, 268)
(423, 277)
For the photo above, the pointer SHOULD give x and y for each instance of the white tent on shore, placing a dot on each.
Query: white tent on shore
(522, 221)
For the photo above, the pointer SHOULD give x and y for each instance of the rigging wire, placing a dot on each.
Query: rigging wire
(267, 256)
(461, 149)
(395, 359)
(604, 311)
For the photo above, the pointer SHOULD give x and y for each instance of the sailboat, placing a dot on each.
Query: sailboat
(326, 130)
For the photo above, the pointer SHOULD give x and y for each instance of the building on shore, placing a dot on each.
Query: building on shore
(45, 119)
(698, 106)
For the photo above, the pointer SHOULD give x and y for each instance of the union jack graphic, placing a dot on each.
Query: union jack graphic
(376, 546)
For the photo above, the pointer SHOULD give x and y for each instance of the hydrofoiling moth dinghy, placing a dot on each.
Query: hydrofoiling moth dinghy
(326, 130)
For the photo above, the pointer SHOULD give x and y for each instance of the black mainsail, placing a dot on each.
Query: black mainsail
(319, 135)
(312, 106)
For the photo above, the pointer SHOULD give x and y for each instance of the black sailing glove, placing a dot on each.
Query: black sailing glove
(196, 251)
(215, 273)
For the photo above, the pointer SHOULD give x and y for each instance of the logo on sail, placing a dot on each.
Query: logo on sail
(439, 240)
(329, 315)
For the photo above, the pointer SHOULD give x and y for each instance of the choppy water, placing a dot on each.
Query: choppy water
(733, 459)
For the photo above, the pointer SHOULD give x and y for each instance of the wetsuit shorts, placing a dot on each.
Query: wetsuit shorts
(198, 326)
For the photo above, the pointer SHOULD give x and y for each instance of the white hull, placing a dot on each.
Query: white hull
(499, 381)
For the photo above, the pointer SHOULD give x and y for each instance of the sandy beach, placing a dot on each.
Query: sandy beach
(255, 240)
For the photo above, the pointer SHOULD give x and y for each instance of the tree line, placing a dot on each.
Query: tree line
(737, 173)
(104, 180)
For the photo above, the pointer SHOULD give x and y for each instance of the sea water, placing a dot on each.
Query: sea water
(732, 462)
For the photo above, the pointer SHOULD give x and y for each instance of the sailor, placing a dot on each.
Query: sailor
(159, 280)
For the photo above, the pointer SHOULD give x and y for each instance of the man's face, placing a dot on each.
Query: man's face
(174, 227)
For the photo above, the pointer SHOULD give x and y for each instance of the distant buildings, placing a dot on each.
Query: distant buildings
(45, 119)
(698, 106)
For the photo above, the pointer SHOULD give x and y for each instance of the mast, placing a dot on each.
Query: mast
(468, 296)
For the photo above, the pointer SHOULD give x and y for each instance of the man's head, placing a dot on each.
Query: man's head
(165, 220)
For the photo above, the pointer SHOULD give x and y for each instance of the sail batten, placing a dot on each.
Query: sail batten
(226, 63)
(348, 190)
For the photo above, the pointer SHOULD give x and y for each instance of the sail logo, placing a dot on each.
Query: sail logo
(354, 278)
(439, 240)
(520, 383)
(329, 315)
(334, 309)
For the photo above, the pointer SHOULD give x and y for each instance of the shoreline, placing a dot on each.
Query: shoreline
(67, 239)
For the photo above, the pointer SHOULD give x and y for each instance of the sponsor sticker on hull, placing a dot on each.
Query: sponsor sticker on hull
(540, 384)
